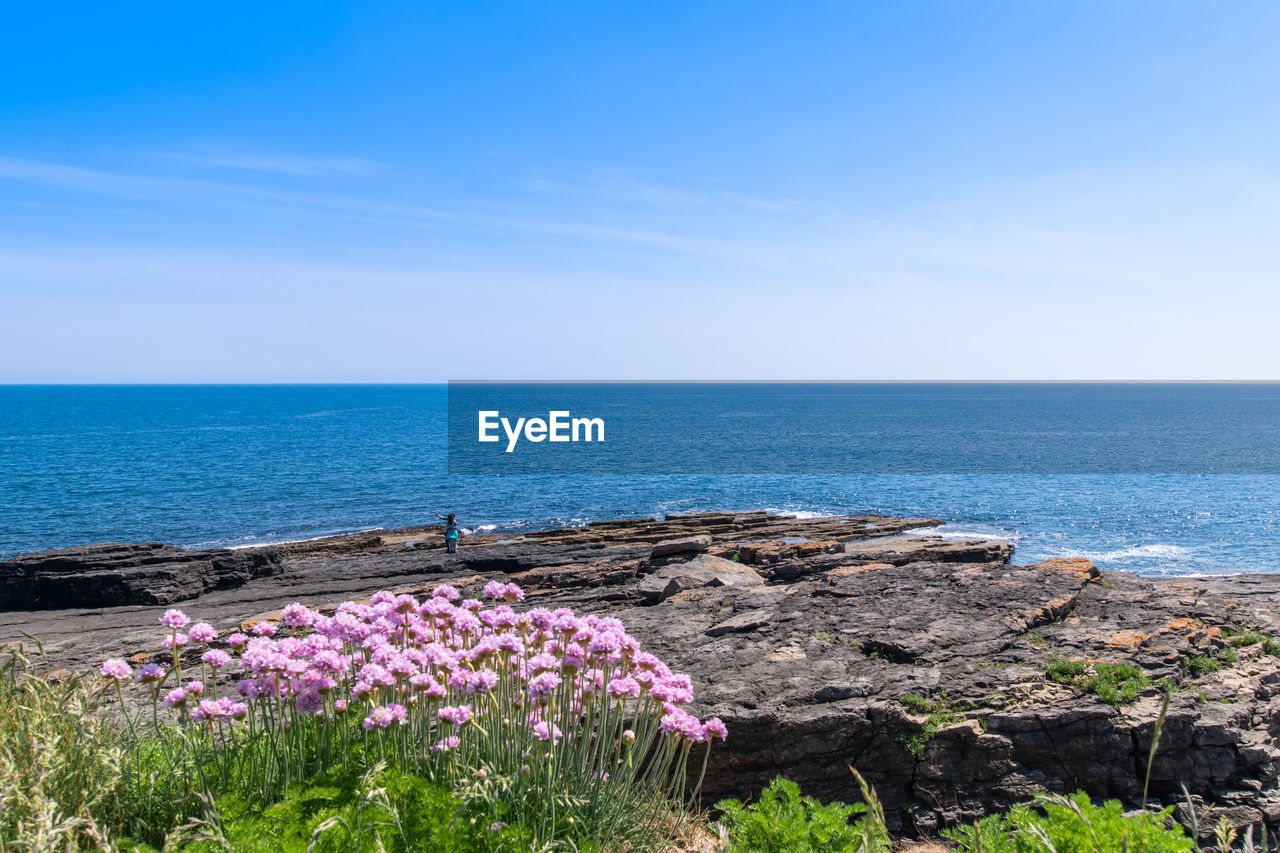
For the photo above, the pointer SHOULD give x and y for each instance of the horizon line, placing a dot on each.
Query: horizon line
(447, 382)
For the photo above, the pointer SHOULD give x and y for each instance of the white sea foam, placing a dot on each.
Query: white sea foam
(479, 528)
(801, 514)
(956, 531)
(1157, 551)
(258, 542)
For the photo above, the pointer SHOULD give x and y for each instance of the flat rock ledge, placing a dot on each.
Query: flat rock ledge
(113, 573)
(805, 635)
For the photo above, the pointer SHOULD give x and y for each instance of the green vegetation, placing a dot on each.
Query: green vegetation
(916, 703)
(383, 810)
(1071, 825)
(1113, 683)
(938, 716)
(463, 741)
(68, 777)
(74, 777)
(1241, 637)
(1198, 665)
(783, 821)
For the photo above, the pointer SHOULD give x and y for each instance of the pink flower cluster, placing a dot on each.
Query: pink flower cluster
(441, 664)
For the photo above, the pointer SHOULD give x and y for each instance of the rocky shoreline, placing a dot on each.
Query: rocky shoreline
(860, 641)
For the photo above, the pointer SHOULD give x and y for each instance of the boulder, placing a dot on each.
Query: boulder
(702, 571)
(687, 545)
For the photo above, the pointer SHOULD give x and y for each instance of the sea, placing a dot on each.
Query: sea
(231, 466)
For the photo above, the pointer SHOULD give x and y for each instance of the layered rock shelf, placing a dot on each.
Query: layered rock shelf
(867, 641)
(113, 574)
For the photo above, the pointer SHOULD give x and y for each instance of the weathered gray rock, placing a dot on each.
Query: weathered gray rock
(112, 574)
(702, 571)
(742, 623)
(927, 548)
(808, 660)
(722, 527)
(687, 545)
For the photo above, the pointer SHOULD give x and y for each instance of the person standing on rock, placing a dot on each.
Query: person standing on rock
(450, 533)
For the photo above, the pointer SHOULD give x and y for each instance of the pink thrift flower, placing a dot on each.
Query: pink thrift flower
(202, 632)
(543, 662)
(716, 728)
(513, 593)
(116, 669)
(263, 629)
(298, 616)
(447, 592)
(542, 686)
(494, 590)
(207, 709)
(376, 676)
(237, 640)
(624, 688)
(149, 673)
(175, 698)
(195, 688)
(174, 641)
(379, 718)
(437, 607)
(458, 715)
(174, 619)
(216, 658)
(448, 744)
(544, 731)
(482, 681)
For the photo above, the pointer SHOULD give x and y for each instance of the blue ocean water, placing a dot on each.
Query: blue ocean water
(238, 465)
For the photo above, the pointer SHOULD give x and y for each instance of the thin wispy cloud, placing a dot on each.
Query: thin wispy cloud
(370, 208)
(621, 189)
(845, 289)
(230, 157)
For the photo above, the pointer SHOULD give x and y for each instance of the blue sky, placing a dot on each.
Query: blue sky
(417, 192)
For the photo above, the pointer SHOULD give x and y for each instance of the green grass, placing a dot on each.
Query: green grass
(70, 776)
(916, 703)
(1115, 684)
(938, 716)
(1198, 665)
(1241, 637)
